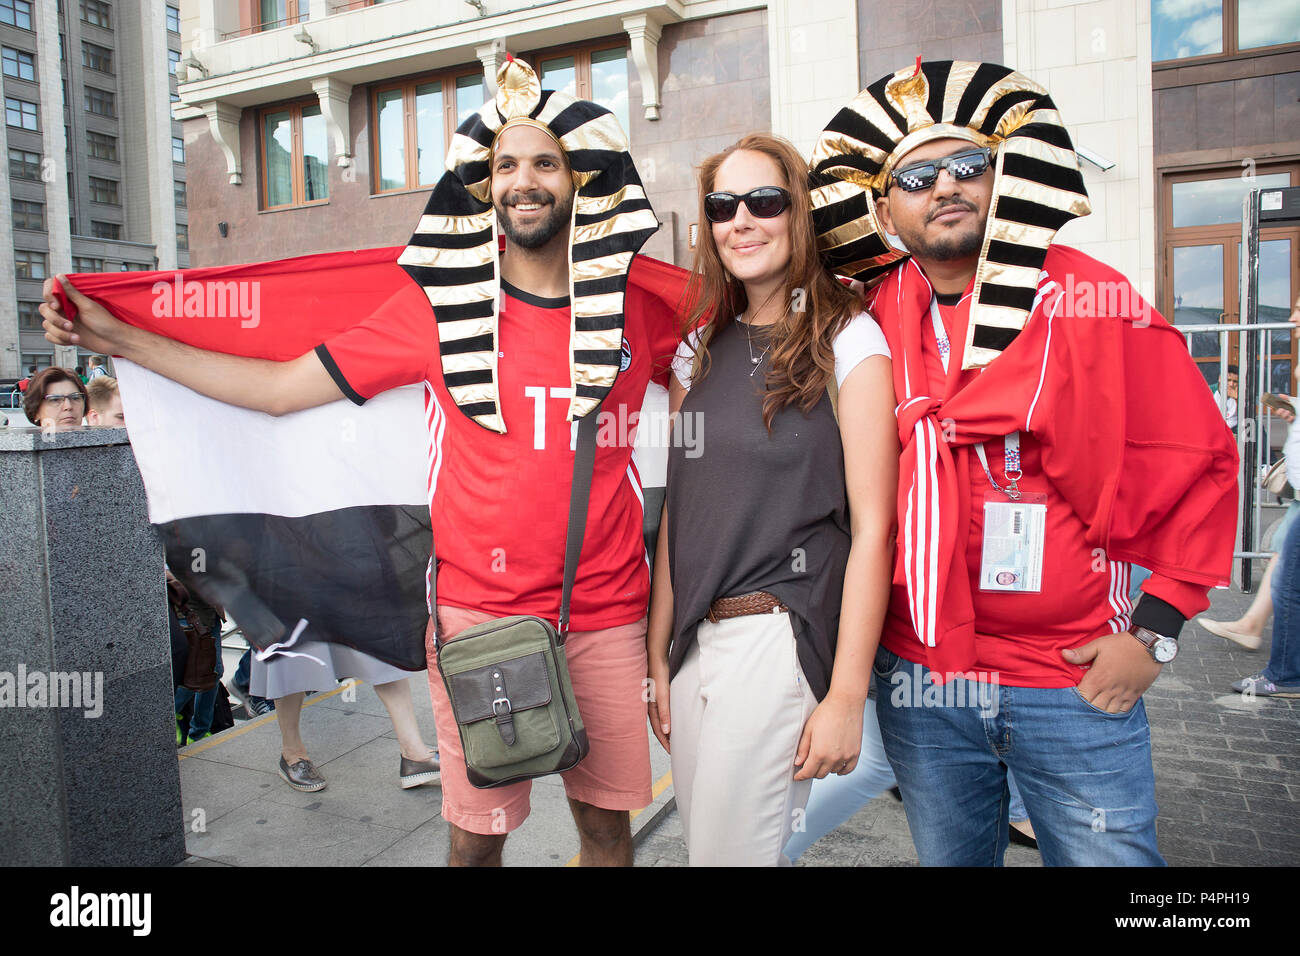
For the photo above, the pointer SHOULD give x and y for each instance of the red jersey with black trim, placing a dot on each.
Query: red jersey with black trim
(499, 503)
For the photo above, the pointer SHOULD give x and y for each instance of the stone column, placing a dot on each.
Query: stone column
(87, 736)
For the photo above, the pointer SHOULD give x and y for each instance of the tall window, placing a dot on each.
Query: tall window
(597, 72)
(104, 191)
(101, 102)
(20, 113)
(19, 64)
(97, 12)
(182, 237)
(24, 164)
(1184, 29)
(281, 13)
(294, 155)
(1201, 212)
(471, 94)
(173, 19)
(96, 57)
(414, 122)
(28, 215)
(29, 316)
(173, 61)
(101, 145)
(180, 195)
(29, 265)
(178, 149)
(16, 13)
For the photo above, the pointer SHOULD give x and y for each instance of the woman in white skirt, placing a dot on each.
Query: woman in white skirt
(778, 524)
(286, 680)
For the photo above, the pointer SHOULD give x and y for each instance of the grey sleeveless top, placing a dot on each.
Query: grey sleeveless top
(749, 511)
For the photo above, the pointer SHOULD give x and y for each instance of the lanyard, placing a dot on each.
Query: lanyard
(1011, 462)
(1010, 466)
(940, 333)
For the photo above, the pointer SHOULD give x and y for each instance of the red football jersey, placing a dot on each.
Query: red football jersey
(500, 503)
(1020, 636)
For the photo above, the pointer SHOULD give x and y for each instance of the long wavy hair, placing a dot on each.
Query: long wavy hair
(801, 358)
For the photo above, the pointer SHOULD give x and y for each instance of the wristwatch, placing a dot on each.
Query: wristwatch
(1162, 649)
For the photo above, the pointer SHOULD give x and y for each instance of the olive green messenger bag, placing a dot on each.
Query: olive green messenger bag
(508, 679)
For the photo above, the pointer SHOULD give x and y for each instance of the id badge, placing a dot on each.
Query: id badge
(1013, 543)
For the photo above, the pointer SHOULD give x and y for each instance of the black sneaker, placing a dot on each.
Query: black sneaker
(302, 776)
(414, 773)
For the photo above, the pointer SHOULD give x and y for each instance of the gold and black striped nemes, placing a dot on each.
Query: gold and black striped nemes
(453, 253)
(1037, 185)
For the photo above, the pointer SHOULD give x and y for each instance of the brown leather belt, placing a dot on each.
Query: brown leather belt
(757, 602)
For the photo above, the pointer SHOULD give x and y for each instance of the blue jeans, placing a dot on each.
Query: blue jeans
(835, 798)
(243, 671)
(1284, 657)
(204, 702)
(1085, 775)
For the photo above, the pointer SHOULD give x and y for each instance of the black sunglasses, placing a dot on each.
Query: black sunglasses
(965, 165)
(766, 202)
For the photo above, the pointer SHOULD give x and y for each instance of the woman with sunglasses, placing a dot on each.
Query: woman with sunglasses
(768, 517)
(55, 398)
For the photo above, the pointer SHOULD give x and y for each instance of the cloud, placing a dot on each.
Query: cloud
(1185, 9)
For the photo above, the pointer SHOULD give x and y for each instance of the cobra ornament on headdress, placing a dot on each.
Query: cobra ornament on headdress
(453, 253)
(1037, 185)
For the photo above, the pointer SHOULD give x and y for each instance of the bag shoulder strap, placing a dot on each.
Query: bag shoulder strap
(833, 390)
(584, 462)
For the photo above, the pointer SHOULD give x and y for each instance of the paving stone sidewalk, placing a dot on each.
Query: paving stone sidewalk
(1227, 772)
(1227, 784)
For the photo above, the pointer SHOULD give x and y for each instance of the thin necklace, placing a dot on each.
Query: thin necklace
(750, 343)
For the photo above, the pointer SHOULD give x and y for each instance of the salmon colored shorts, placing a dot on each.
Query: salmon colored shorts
(607, 668)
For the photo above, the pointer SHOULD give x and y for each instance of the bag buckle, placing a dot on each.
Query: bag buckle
(502, 711)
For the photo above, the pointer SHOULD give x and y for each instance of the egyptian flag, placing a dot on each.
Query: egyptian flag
(310, 526)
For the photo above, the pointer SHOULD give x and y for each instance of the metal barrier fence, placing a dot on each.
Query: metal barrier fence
(1260, 370)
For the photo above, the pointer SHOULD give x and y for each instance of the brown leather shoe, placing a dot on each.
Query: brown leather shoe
(414, 773)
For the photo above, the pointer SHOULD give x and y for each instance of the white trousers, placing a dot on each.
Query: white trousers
(738, 706)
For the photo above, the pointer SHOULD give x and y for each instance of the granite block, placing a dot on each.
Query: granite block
(95, 783)
(31, 795)
(24, 614)
(1253, 115)
(121, 779)
(1286, 105)
(1214, 115)
(34, 439)
(106, 589)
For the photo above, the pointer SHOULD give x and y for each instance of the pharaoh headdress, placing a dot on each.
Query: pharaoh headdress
(453, 253)
(1037, 186)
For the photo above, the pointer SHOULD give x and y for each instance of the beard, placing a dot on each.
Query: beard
(537, 234)
(947, 248)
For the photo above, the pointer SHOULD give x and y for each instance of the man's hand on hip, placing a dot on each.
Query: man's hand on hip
(1120, 669)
